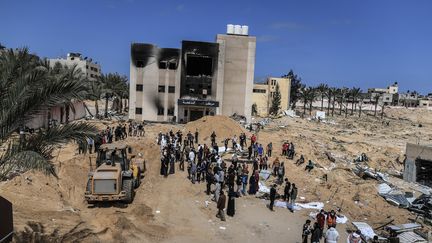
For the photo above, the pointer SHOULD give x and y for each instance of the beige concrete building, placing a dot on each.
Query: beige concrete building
(89, 68)
(263, 94)
(200, 78)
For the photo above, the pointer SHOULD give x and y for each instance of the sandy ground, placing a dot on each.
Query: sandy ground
(173, 210)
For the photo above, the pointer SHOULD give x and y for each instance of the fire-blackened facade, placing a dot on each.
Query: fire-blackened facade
(182, 85)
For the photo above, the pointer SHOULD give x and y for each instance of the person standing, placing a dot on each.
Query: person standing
(331, 219)
(213, 138)
(272, 196)
(269, 149)
(306, 231)
(90, 143)
(196, 136)
(252, 188)
(218, 186)
(287, 190)
(321, 217)
(231, 202)
(210, 180)
(316, 233)
(293, 197)
(332, 236)
(221, 206)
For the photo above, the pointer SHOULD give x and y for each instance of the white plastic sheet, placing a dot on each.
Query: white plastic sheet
(263, 188)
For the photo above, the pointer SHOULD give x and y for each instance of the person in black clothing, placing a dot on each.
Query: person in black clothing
(272, 196)
(210, 180)
(249, 152)
(316, 233)
(231, 202)
(196, 136)
(287, 190)
(213, 138)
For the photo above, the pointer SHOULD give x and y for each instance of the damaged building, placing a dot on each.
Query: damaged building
(418, 164)
(198, 79)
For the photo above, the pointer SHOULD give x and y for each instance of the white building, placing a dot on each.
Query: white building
(89, 68)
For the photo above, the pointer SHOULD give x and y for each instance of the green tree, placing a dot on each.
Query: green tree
(276, 101)
(115, 85)
(296, 85)
(29, 88)
(322, 90)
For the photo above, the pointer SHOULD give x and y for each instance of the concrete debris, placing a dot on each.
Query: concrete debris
(410, 237)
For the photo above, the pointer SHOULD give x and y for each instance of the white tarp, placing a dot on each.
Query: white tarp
(263, 188)
(384, 188)
(299, 206)
(365, 229)
(265, 174)
(320, 115)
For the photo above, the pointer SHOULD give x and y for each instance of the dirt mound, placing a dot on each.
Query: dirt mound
(223, 126)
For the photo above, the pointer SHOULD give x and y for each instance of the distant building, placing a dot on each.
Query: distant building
(201, 78)
(90, 69)
(263, 94)
(425, 103)
(388, 96)
(409, 99)
(418, 164)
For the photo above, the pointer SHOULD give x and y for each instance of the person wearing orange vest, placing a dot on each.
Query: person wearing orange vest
(331, 219)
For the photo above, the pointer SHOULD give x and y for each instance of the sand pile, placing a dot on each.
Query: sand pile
(223, 126)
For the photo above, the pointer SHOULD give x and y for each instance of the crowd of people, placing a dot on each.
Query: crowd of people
(226, 182)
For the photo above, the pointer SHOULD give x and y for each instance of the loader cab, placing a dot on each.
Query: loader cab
(112, 154)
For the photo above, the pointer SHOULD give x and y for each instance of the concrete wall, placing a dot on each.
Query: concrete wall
(264, 100)
(41, 120)
(89, 69)
(261, 99)
(238, 71)
(413, 152)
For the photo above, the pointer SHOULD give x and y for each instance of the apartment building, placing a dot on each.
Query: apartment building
(198, 79)
(90, 69)
(263, 94)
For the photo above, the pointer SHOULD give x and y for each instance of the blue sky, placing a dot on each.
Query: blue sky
(362, 43)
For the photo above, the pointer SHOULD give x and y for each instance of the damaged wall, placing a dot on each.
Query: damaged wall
(418, 159)
(199, 65)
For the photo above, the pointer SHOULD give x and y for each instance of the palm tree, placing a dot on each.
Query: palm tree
(322, 89)
(335, 92)
(312, 95)
(304, 97)
(376, 99)
(96, 90)
(342, 97)
(29, 88)
(114, 85)
(329, 94)
(355, 93)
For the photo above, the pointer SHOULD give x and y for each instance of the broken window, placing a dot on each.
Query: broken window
(259, 91)
(161, 89)
(162, 65)
(160, 111)
(172, 65)
(424, 169)
(139, 64)
(171, 111)
(199, 65)
(138, 111)
(139, 87)
(171, 89)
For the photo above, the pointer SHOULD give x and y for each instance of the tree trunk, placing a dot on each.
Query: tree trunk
(376, 106)
(346, 109)
(304, 108)
(382, 111)
(352, 107)
(106, 106)
(328, 105)
(340, 106)
(121, 104)
(322, 102)
(310, 109)
(360, 108)
(97, 109)
(333, 103)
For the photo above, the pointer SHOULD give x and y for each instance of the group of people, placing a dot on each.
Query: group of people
(136, 129)
(316, 232)
(107, 135)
